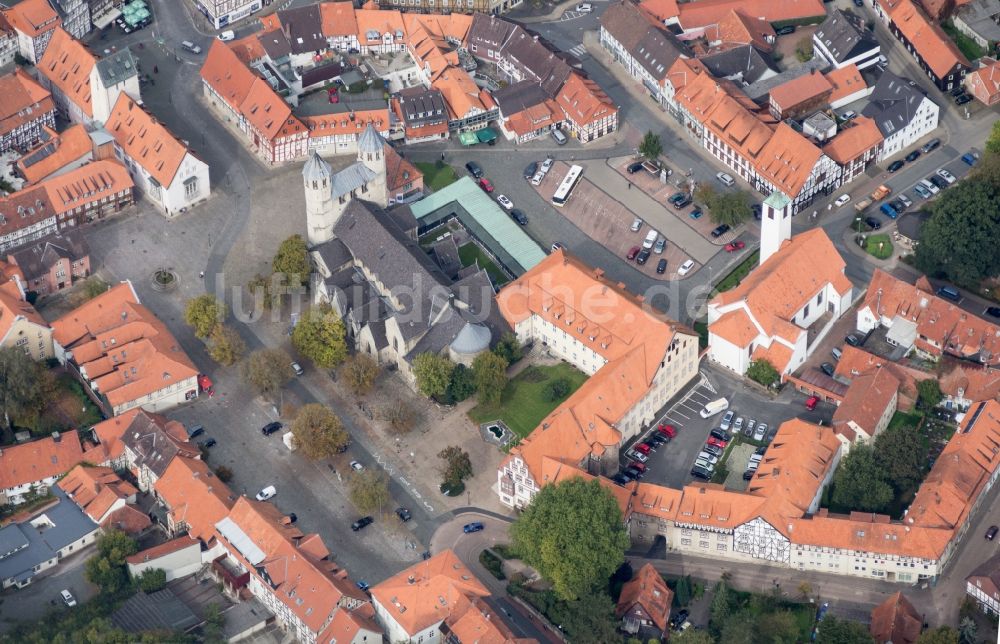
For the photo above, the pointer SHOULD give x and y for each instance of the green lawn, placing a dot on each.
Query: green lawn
(436, 177)
(967, 45)
(879, 246)
(736, 276)
(902, 418)
(523, 404)
(470, 253)
(701, 326)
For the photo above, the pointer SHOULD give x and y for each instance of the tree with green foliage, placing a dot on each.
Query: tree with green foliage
(898, 452)
(107, 567)
(959, 239)
(318, 432)
(461, 385)
(860, 483)
(204, 314)
(723, 604)
(260, 287)
(804, 49)
(433, 373)
(292, 260)
(490, 374)
(650, 147)
(939, 635)
(360, 371)
(763, 372)
(573, 535)
(557, 389)
(509, 348)
(929, 393)
(682, 591)
(730, 208)
(370, 491)
(457, 465)
(739, 629)
(778, 627)
(267, 370)
(834, 630)
(226, 346)
(91, 288)
(692, 636)
(214, 621)
(590, 619)
(319, 336)
(993, 142)
(968, 632)
(152, 580)
(26, 386)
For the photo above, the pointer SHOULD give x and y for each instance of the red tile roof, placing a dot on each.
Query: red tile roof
(583, 100)
(855, 141)
(32, 17)
(96, 490)
(39, 459)
(67, 64)
(646, 594)
(92, 182)
(799, 90)
(896, 620)
(702, 13)
(195, 496)
(845, 81)
(55, 153)
(145, 140)
(166, 548)
(24, 101)
(933, 45)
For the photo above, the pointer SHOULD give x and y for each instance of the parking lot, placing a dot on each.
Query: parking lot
(670, 464)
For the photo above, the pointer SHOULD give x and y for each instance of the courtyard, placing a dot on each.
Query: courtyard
(530, 396)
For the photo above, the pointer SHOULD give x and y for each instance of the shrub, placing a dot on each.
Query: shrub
(557, 389)
(492, 563)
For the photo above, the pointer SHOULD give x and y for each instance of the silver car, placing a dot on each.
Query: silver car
(738, 425)
(761, 432)
(727, 420)
(660, 245)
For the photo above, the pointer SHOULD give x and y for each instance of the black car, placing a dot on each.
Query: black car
(993, 311)
(749, 473)
(642, 256)
(963, 99)
(722, 435)
(519, 217)
(361, 523)
(701, 473)
(634, 167)
(683, 202)
(756, 211)
(530, 170)
(898, 205)
(679, 618)
(852, 340)
(896, 165)
(658, 439)
(720, 230)
(403, 514)
(620, 479)
(208, 443)
(859, 3)
(958, 91)
(873, 223)
(661, 267)
(938, 181)
(930, 145)
(784, 31)
(760, 450)
(913, 156)
(633, 472)
(474, 169)
(678, 196)
(827, 368)
(270, 428)
(292, 517)
(771, 433)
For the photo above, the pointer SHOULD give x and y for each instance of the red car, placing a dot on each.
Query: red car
(333, 95)
(732, 247)
(715, 442)
(632, 252)
(667, 430)
(811, 402)
(485, 184)
(642, 448)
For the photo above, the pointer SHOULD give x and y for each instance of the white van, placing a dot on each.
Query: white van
(715, 407)
(725, 178)
(584, 7)
(559, 137)
(227, 35)
(191, 47)
(651, 237)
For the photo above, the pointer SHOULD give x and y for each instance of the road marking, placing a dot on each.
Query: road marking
(579, 50)
(684, 416)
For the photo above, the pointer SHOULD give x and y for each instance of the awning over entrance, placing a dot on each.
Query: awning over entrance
(486, 135)
(467, 138)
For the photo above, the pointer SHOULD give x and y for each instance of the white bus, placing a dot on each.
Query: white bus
(566, 187)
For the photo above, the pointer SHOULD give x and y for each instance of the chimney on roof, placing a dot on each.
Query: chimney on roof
(56, 437)
(411, 579)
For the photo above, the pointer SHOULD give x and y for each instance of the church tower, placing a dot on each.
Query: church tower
(775, 224)
(320, 212)
(371, 153)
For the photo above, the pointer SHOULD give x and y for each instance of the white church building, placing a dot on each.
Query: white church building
(783, 309)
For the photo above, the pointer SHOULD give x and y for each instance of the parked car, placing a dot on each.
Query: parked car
(669, 430)
(361, 523)
(931, 145)
(660, 245)
(227, 35)
(584, 7)
(963, 99)
(903, 199)
(873, 223)
(848, 115)
(993, 311)
(712, 459)
(760, 432)
(67, 598)
(403, 514)
(190, 46)
(784, 31)
(643, 448)
(827, 368)
(720, 230)
(734, 246)
(938, 181)
(992, 532)
(621, 479)
(727, 420)
(841, 200)
(716, 443)
(634, 167)
(632, 252)
(721, 435)
(700, 473)
(949, 293)
(637, 456)
(211, 442)
(530, 170)
(685, 268)
(636, 225)
(896, 165)
(928, 186)
(751, 424)
(475, 526)
(638, 467)
(505, 202)
(485, 184)
(947, 176)
(657, 439)
(970, 158)
(913, 156)
(642, 257)
(923, 192)
(747, 475)
(811, 402)
(738, 425)
(297, 368)
(771, 433)
(474, 169)
(547, 164)
(757, 210)
(695, 213)
(714, 450)
(725, 179)
(679, 618)
(661, 267)
(898, 205)
(519, 217)
(266, 493)
(682, 203)
(270, 428)
(356, 466)
(852, 340)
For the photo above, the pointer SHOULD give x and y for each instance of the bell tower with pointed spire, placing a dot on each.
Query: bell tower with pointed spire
(371, 153)
(321, 214)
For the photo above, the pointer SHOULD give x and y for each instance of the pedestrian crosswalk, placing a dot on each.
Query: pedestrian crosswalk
(579, 51)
